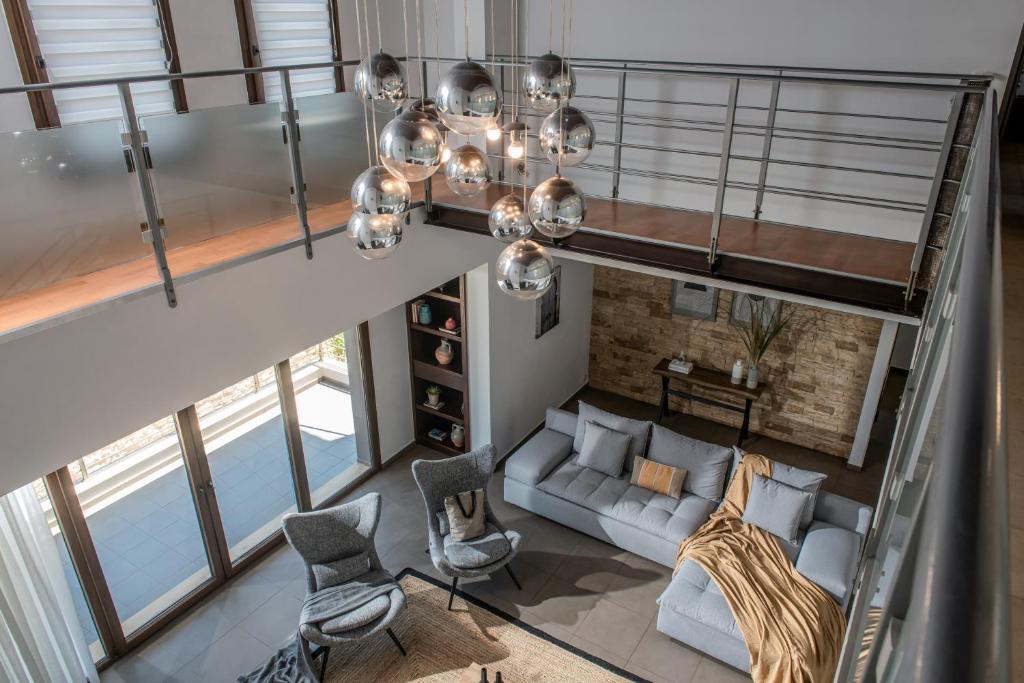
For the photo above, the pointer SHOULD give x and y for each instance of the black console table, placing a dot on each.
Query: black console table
(713, 381)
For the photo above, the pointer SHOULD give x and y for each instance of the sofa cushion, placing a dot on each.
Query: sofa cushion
(536, 458)
(693, 594)
(657, 477)
(639, 429)
(615, 497)
(829, 558)
(805, 480)
(604, 449)
(706, 464)
(775, 507)
(561, 421)
(479, 551)
(586, 487)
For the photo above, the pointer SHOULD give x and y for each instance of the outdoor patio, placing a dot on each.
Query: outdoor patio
(149, 540)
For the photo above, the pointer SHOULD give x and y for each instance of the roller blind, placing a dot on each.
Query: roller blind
(83, 39)
(294, 32)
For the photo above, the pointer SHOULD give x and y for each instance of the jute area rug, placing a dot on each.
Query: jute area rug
(442, 645)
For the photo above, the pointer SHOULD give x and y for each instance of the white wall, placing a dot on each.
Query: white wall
(389, 344)
(14, 110)
(523, 376)
(207, 37)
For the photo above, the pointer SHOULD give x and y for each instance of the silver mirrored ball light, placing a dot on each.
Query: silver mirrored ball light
(566, 136)
(557, 207)
(376, 236)
(467, 171)
(378, 191)
(427, 106)
(379, 82)
(524, 270)
(508, 220)
(410, 146)
(548, 79)
(467, 99)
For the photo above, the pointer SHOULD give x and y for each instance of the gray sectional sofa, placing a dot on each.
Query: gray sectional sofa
(545, 477)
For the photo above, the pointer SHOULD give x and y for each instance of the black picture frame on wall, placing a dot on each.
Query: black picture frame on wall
(694, 300)
(740, 313)
(548, 305)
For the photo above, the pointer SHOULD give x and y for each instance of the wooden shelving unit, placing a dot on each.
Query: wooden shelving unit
(445, 301)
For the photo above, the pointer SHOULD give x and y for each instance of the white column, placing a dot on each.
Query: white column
(879, 371)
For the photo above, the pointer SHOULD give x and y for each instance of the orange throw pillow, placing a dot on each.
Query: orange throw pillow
(656, 477)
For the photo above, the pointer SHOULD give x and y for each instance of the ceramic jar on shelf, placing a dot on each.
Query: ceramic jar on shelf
(458, 435)
(444, 353)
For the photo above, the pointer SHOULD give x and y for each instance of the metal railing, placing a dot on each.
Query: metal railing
(932, 601)
(624, 115)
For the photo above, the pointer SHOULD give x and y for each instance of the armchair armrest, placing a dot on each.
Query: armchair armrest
(538, 456)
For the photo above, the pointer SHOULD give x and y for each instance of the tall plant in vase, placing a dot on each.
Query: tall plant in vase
(767, 320)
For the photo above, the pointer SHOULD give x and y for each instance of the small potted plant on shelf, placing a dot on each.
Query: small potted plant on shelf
(433, 395)
(767, 320)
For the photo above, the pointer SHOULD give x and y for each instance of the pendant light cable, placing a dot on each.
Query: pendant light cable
(366, 116)
(373, 109)
(526, 119)
(465, 22)
(405, 29)
(420, 66)
(380, 41)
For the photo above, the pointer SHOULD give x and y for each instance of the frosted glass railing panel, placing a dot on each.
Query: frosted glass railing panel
(333, 146)
(221, 170)
(69, 205)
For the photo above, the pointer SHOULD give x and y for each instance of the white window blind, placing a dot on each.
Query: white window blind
(82, 39)
(294, 32)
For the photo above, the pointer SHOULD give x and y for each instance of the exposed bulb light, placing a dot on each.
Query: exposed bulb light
(494, 134)
(515, 150)
(446, 153)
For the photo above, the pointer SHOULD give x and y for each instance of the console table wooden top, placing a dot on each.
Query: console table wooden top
(710, 379)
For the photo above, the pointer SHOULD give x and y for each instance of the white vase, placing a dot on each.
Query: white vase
(752, 377)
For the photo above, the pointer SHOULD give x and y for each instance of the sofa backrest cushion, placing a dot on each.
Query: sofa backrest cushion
(775, 507)
(604, 449)
(638, 429)
(705, 463)
(805, 480)
(561, 421)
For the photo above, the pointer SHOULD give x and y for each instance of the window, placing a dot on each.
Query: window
(294, 32)
(116, 38)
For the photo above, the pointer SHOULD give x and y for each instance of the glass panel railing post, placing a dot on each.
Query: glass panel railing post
(933, 195)
(723, 168)
(620, 112)
(766, 151)
(153, 222)
(291, 120)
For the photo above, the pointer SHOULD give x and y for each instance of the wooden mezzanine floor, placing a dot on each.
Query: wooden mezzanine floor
(871, 259)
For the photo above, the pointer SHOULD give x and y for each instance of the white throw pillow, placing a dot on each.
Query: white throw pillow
(604, 449)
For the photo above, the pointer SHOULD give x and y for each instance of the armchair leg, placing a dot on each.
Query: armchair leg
(397, 642)
(323, 662)
(451, 595)
(508, 568)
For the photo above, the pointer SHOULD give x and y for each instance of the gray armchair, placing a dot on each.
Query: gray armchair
(349, 596)
(486, 554)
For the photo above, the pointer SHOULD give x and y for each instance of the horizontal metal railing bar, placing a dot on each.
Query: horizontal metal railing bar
(821, 195)
(978, 83)
(777, 68)
(754, 107)
(743, 157)
(759, 127)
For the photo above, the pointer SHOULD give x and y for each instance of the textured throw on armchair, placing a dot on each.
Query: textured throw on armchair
(792, 628)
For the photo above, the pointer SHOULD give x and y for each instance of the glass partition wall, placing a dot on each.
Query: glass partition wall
(151, 523)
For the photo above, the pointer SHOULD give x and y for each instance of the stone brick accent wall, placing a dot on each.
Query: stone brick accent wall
(816, 371)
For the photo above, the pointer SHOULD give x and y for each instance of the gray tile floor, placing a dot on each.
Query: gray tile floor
(580, 590)
(149, 542)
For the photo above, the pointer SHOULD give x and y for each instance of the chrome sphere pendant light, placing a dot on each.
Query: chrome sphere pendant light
(427, 106)
(410, 146)
(524, 270)
(566, 136)
(378, 191)
(467, 99)
(379, 82)
(376, 236)
(467, 171)
(508, 219)
(557, 207)
(548, 81)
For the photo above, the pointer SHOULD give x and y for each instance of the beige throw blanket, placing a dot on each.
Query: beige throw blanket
(793, 628)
